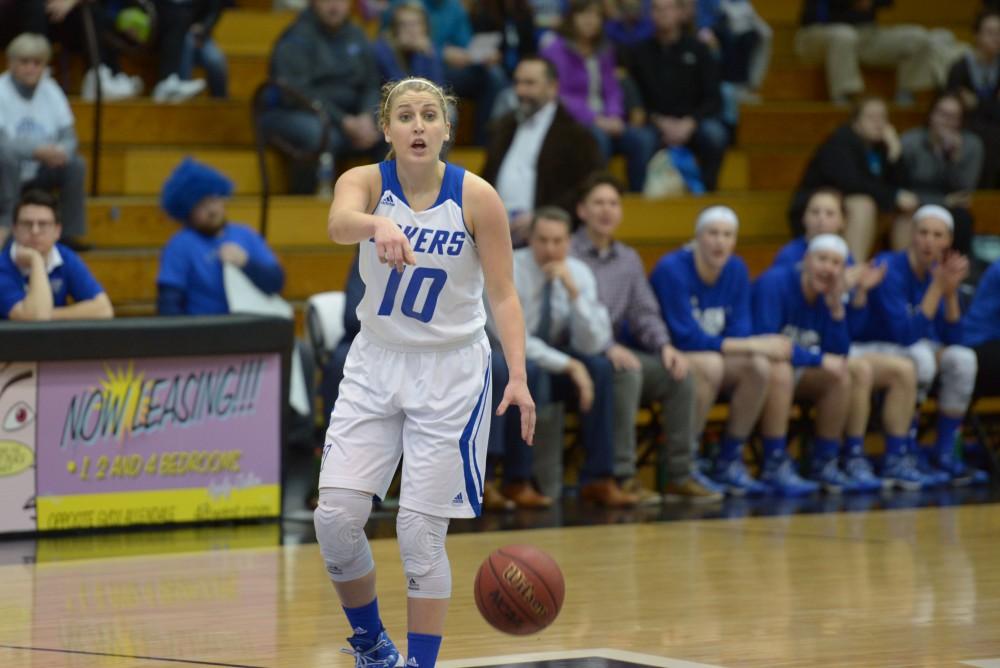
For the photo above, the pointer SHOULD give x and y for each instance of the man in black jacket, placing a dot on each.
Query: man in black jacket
(326, 57)
(538, 155)
(678, 79)
(862, 160)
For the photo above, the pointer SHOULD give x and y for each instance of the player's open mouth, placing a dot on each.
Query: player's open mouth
(418, 144)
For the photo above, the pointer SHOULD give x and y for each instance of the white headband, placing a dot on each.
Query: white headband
(936, 212)
(716, 214)
(828, 242)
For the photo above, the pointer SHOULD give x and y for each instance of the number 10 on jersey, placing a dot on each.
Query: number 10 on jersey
(417, 277)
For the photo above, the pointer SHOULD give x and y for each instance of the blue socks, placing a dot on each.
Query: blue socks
(422, 650)
(365, 623)
(825, 449)
(896, 446)
(947, 427)
(854, 446)
(774, 448)
(731, 448)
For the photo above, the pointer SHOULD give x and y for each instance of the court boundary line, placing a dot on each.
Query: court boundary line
(194, 662)
(598, 653)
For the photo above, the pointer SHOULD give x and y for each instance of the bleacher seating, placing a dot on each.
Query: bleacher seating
(143, 141)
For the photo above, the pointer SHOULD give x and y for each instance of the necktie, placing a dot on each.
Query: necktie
(544, 330)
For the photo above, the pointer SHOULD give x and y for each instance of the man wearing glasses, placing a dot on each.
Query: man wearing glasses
(41, 279)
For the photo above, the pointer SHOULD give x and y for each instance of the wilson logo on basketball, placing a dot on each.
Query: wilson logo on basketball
(515, 576)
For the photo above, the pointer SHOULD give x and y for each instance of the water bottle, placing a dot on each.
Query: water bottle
(324, 176)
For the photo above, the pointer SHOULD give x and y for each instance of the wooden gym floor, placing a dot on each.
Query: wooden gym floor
(906, 587)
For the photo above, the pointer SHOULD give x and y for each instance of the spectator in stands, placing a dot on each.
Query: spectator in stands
(678, 79)
(190, 280)
(514, 21)
(805, 302)
(200, 50)
(326, 57)
(40, 278)
(405, 49)
(870, 371)
(648, 369)
(589, 89)
(65, 21)
(942, 164)
(472, 72)
(175, 20)
(628, 24)
(743, 39)
(538, 155)
(981, 331)
(863, 160)
(37, 135)
(843, 34)
(916, 313)
(568, 332)
(704, 294)
(976, 78)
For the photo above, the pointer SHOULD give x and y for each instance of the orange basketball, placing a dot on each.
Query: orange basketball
(519, 589)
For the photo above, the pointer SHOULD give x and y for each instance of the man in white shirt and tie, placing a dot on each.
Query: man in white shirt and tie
(568, 331)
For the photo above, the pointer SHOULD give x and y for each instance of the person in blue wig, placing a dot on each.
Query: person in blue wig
(190, 277)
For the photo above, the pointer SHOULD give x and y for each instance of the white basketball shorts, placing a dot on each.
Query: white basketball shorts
(431, 408)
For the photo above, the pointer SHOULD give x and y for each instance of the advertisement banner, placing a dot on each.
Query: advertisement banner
(158, 440)
(18, 409)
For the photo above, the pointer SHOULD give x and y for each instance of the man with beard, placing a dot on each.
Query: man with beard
(538, 155)
(190, 279)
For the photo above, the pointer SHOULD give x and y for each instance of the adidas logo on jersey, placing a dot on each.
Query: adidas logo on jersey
(458, 500)
(412, 663)
(412, 585)
(388, 200)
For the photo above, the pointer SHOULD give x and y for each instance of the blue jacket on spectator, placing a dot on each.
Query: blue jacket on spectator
(700, 316)
(190, 263)
(68, 277)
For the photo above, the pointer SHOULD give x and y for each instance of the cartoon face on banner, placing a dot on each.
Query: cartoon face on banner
(18, 408)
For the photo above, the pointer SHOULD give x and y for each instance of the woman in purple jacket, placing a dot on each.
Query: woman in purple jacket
(589, 88)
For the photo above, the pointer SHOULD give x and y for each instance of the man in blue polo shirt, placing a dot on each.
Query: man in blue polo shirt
(190, 280)
(41, 279)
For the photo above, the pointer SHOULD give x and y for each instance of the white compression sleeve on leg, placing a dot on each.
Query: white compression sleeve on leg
(425, 561)
(340, 521)
(959, 366)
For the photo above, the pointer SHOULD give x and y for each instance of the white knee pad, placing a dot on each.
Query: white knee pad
(340, 521)
(421, 544)
(959, 366)
(923, 355)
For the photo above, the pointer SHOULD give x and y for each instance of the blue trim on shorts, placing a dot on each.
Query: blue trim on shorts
(467, 445)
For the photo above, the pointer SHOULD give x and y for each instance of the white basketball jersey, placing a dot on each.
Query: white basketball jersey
(436, 304)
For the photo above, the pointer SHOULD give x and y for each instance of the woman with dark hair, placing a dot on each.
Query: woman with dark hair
(589, 88)
(942, 164)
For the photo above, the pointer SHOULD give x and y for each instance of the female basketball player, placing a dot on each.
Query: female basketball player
(416, 381)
